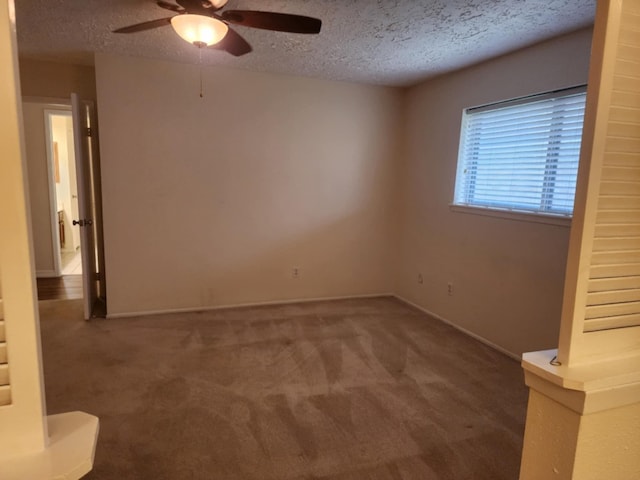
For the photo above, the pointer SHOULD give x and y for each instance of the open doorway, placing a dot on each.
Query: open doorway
(64, 185)
(65, 201)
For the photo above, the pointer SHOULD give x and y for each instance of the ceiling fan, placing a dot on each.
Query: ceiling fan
(198, 22)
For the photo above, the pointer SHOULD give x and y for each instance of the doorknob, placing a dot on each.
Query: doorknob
(83, 223)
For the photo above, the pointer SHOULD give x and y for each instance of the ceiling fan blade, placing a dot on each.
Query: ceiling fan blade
(170, 6)
(280, 22)
(233, 43)
(139, 27)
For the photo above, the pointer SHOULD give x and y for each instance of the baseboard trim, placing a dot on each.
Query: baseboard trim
(461, 329)
(244, 305)
(475, 336)
(46, 274)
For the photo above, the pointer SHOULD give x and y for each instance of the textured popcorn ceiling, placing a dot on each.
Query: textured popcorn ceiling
(383, 42)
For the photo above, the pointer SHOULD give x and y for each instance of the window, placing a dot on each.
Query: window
(522, 155)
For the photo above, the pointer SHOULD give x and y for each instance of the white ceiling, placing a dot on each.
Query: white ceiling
(384, 42)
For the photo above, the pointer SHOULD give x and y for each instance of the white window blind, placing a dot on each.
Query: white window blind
(522, 154)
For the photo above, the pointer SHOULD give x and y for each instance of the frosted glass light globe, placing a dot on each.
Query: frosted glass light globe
(198, 29)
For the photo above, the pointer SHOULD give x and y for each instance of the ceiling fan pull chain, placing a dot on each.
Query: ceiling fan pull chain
(200, 65)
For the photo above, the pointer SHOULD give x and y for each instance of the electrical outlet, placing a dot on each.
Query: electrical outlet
(450, 288)
(420, 279)
(295, 272)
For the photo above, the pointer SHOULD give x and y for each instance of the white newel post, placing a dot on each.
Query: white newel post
(32, 445)
(583, 418)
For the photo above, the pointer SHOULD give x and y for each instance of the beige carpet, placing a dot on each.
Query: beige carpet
(356, 389)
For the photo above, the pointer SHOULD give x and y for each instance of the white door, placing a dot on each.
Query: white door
(75, 213)
(86, 202)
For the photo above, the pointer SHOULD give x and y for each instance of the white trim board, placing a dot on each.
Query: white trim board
(49, 111)
(46, 274)
(244, 305)
(53, 101)
(475, 336)
(321, 299)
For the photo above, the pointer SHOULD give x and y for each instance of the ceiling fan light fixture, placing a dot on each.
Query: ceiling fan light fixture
(198, 29)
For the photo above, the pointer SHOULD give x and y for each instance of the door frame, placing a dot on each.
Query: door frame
(53, 109)
(63, 106)
(87, 157)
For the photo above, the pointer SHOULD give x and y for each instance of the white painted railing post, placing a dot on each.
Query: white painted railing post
(32, 445)
(22, 421)
(583, 418)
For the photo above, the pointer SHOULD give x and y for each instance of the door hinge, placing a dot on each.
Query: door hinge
(88, 132)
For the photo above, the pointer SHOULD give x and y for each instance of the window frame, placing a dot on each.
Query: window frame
(510, 211)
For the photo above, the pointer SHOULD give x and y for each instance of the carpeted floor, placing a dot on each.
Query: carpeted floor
(344, 390)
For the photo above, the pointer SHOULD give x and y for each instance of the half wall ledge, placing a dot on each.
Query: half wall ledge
(69, 455)
(583, 422)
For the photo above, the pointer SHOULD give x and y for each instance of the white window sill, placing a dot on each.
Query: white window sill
(559, 220)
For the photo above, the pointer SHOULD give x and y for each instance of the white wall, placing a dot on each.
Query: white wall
(38, 177)
(62, 133)
(56, 80)
(212, 201)
(508, 275)
(40, 196)
(41, 83)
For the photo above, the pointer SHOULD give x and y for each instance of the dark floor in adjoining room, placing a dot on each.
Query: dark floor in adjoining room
(341, 390)
(65, 287)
